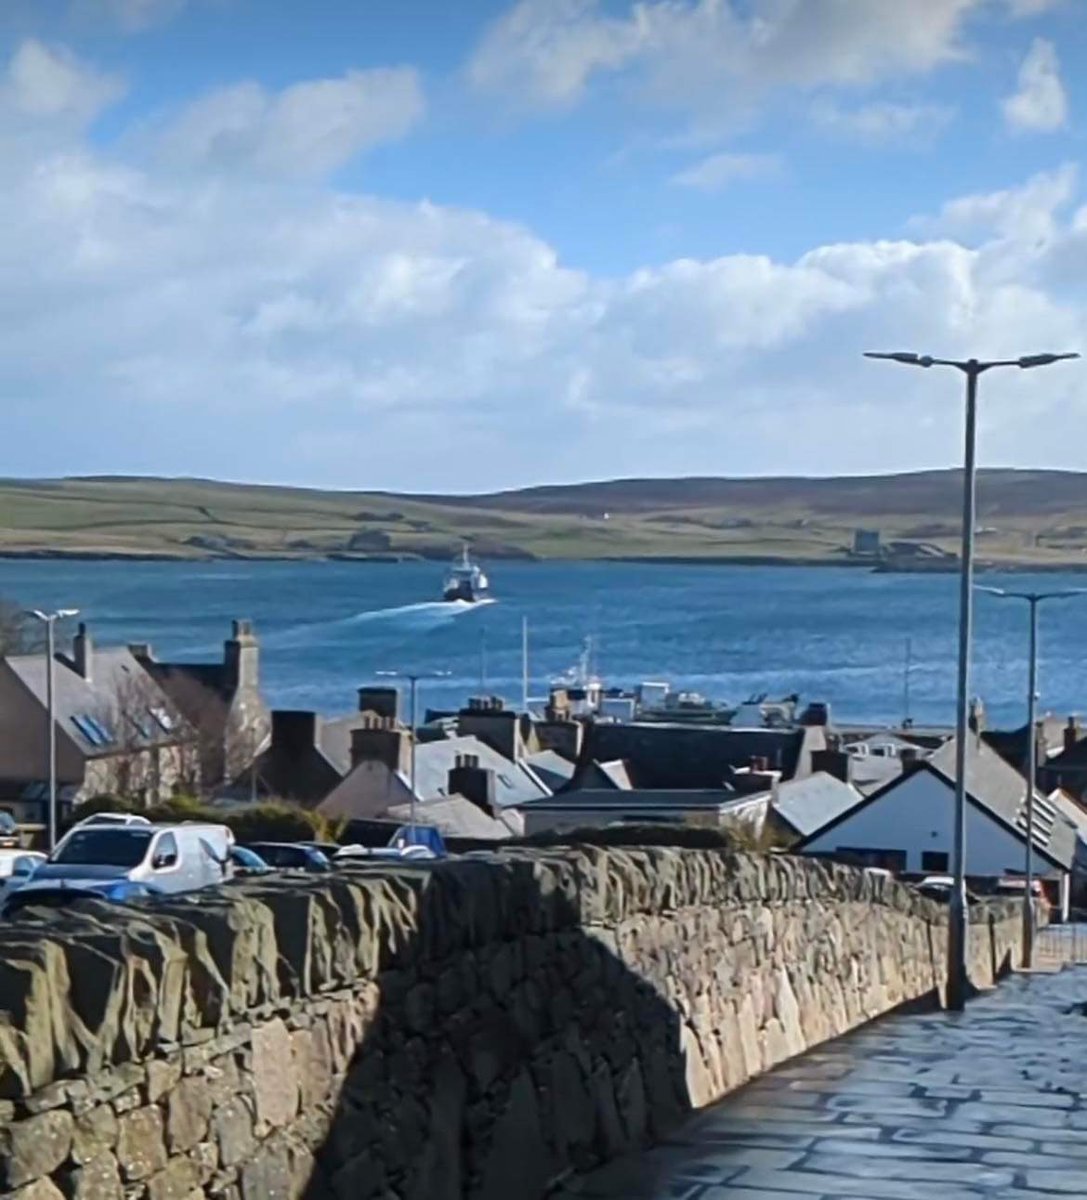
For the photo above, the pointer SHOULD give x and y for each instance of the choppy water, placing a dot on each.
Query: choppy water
(826, 633)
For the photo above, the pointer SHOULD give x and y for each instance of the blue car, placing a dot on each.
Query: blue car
(118, 891)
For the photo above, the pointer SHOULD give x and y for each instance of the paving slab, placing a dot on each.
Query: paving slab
(990, 1103)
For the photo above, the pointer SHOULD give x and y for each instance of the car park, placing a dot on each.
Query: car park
(246, 863)
(291, 856)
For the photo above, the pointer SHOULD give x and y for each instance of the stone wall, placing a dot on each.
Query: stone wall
(474, 1029)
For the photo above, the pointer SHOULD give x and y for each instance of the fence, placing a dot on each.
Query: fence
(1062, 945)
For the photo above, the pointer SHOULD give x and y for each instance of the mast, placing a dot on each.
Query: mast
(524, 664)
(483, 661)
(906, 683)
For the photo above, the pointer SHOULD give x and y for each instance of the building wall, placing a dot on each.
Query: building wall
(472, 1031)
(917, 816)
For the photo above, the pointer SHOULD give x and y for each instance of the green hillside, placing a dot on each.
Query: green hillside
(1027, 518)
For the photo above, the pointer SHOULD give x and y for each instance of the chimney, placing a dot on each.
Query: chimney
(295, 731)
(142, 651)
(83, 652)
(380, 740)
(382, 701)
(562, 736)
(832, 761)
(1072, 733)
(488, 719)
(910, 759)
(241, 657)
(468, 779)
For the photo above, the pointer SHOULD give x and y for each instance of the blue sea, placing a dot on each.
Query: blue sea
(828, 634)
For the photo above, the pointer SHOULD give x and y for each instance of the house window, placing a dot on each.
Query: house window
(889, 860)
(934, 860)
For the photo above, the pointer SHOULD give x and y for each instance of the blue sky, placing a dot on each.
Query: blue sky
(429, 246)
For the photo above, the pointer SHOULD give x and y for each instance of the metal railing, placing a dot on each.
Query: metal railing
(1062, 945)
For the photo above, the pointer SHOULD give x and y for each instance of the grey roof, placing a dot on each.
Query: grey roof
(513, 784)
(458, 817)
(118, 686)
(809, 804)
(637, 799)
(551, 768)
(998, 787)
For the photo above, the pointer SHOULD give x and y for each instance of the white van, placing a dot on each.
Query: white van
(169, 858)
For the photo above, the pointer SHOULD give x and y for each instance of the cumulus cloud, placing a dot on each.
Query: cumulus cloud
(718, 171)
(229, 324)
(309, 128)
(883, 123)
(690, 53)
(1039, 103)
(46, 83)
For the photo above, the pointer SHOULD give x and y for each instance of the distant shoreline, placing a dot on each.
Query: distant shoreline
(748, 560)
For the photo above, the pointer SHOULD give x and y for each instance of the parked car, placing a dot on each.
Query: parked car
(247, 862)
(60, 895)
(291, 856)
(1015, 886)
(16, 868)
(174, 858)
(940, 887)
(9, 831)
(111, 818)
(357, 852)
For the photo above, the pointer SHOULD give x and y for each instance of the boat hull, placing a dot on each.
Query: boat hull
(463, 591)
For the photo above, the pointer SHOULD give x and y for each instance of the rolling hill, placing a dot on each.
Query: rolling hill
(1036, 518)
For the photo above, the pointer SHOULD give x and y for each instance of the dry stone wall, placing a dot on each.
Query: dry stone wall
(475, 1029)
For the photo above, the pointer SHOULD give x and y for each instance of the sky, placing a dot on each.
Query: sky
(429, 246)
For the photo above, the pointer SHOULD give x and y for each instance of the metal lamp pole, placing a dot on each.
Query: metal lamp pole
(413, 678)
(973, 369)
(50, 620)
(1033, 599)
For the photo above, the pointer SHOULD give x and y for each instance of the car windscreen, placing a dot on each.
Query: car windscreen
(105, 847)
(282, 856)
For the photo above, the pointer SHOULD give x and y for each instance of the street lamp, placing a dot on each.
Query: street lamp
(972, 368)
(413, 678)
(50, 620)
(1033, 599)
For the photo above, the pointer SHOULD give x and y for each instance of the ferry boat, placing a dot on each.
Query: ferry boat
(466, 580)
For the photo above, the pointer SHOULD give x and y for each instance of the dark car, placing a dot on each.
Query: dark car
(247, 862)
(9, 831)
(291, 856)
(118, 891)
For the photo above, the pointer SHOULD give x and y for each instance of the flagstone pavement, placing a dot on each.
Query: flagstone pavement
(933, 1106)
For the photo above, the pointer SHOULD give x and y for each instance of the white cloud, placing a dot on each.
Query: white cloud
(1039, 105)
(722, 53)
(227, 323)
(883, 123)
(45, 83)
(130, 16)
(307, 129)
(717, 171)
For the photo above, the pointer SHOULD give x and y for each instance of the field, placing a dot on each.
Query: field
(1035, 518)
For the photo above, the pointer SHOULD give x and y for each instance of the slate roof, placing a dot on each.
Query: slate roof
(117, 681)
(806, 805)
(551, 768)
(457, 817)
(513, 784)
(684, 756)
(680, 799)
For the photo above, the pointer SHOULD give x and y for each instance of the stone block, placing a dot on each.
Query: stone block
(163, 1074)
(34, 1147)
(268, 1175)
(97, 1179)
(274, 1080)
(176, 1181)
(232, 1130)
(141, 1146)
(95, 1132)
(40, 1189)
(188, 1108)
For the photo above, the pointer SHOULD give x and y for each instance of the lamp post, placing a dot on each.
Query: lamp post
(50, 620)
(413, 678)
(973, 369)
(1033, 599)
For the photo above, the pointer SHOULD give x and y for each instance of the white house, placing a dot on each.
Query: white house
(907, 824)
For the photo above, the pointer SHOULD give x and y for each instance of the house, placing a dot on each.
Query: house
(381, 770)
(677, 756)
(906, 826)
(800, 807)
(221, 701)
(307, 755)
(1067, 768)
(117, 731)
